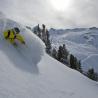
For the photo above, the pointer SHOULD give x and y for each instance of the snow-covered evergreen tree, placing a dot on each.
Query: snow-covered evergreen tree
(54, 53)
(91, 74)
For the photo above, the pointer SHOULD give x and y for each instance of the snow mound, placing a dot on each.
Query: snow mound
(31, 52)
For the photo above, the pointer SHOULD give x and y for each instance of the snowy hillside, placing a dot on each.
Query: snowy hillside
(28, 72)
(82, 42)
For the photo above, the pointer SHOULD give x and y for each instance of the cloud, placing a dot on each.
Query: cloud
(82, 13)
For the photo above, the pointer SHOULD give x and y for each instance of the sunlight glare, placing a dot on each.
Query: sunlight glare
(60, 5)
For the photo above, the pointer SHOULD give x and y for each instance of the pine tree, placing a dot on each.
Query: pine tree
(79, 68)
(43, 33)
(54, 53)
(60, 54)
(65, 52)
(72, 62)
(39, 31)
(48, 47)
(91, 74)
(47, 35)
(75, 64)
(47, 42)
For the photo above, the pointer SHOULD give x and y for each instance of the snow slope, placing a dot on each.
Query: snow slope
(28, 72)
(82, 42)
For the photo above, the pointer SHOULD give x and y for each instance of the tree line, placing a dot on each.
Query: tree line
(62, 54)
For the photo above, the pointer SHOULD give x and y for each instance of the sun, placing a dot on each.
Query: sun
(60, 5)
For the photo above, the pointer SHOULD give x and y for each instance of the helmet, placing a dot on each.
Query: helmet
(16, 29)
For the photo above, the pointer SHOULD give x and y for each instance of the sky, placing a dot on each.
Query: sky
(53, 13)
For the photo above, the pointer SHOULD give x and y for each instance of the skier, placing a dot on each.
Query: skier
(13, 34)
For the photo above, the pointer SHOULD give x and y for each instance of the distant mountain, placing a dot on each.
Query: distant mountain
(67, 30)
(82, 42)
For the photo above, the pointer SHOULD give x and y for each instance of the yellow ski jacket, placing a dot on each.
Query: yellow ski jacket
(10, 35)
